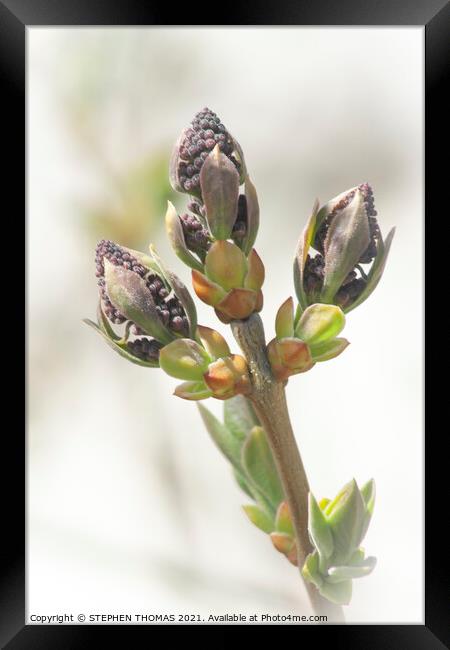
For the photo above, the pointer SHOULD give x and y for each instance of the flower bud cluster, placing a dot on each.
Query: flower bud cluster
(168, 307)
(344, 234)
(195, 143)
(137, 290)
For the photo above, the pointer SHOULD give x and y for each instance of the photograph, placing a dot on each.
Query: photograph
(225, 389)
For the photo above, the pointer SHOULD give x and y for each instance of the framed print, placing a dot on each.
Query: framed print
(225, 298)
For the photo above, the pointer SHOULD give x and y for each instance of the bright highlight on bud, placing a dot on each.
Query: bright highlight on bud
(345, 235)
(336, 530)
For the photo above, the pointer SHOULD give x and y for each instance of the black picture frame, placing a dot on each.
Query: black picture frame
(15, 17)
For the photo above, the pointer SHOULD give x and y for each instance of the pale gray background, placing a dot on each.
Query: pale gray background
(130, 506)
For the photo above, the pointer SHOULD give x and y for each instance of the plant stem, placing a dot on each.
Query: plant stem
(269, 400)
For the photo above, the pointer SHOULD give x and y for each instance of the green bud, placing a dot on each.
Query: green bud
(259, 518)
(184, 359)
(283, 520)
(284, 321)
(226, 265)
(319, 323)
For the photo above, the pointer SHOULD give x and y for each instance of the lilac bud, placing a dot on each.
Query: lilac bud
(133, 288)
(193, 146)
(344, 234)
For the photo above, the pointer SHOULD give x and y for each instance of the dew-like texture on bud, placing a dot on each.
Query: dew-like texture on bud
(196, 142)
(168, 307)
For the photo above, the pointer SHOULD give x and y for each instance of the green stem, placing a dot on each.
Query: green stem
(269, 400)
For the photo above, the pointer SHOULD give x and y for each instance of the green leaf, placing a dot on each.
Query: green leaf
(192, 390)
(242, 482)
(339, 594)
(239, 416)
(119, 348)
(376, 271)
(175, 234)
(346, 517)
(320, 323)
(301, 255)
(340, 573)
(368, 495)
(259, 465)
(222, 437)
(357, 558)
(310, 570)
(328, 350)
(319, 529)
(259, 518)
(104, 323)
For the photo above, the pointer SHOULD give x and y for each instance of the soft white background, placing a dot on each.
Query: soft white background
(131, 509)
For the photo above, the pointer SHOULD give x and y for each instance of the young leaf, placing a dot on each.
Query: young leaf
(319, 529)
(339, 594)
(340, 573)
(346, 516)
(239, 416)
(228, 444)
(260, 467)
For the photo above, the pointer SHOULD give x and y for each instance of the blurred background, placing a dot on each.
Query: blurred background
(131, 509)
